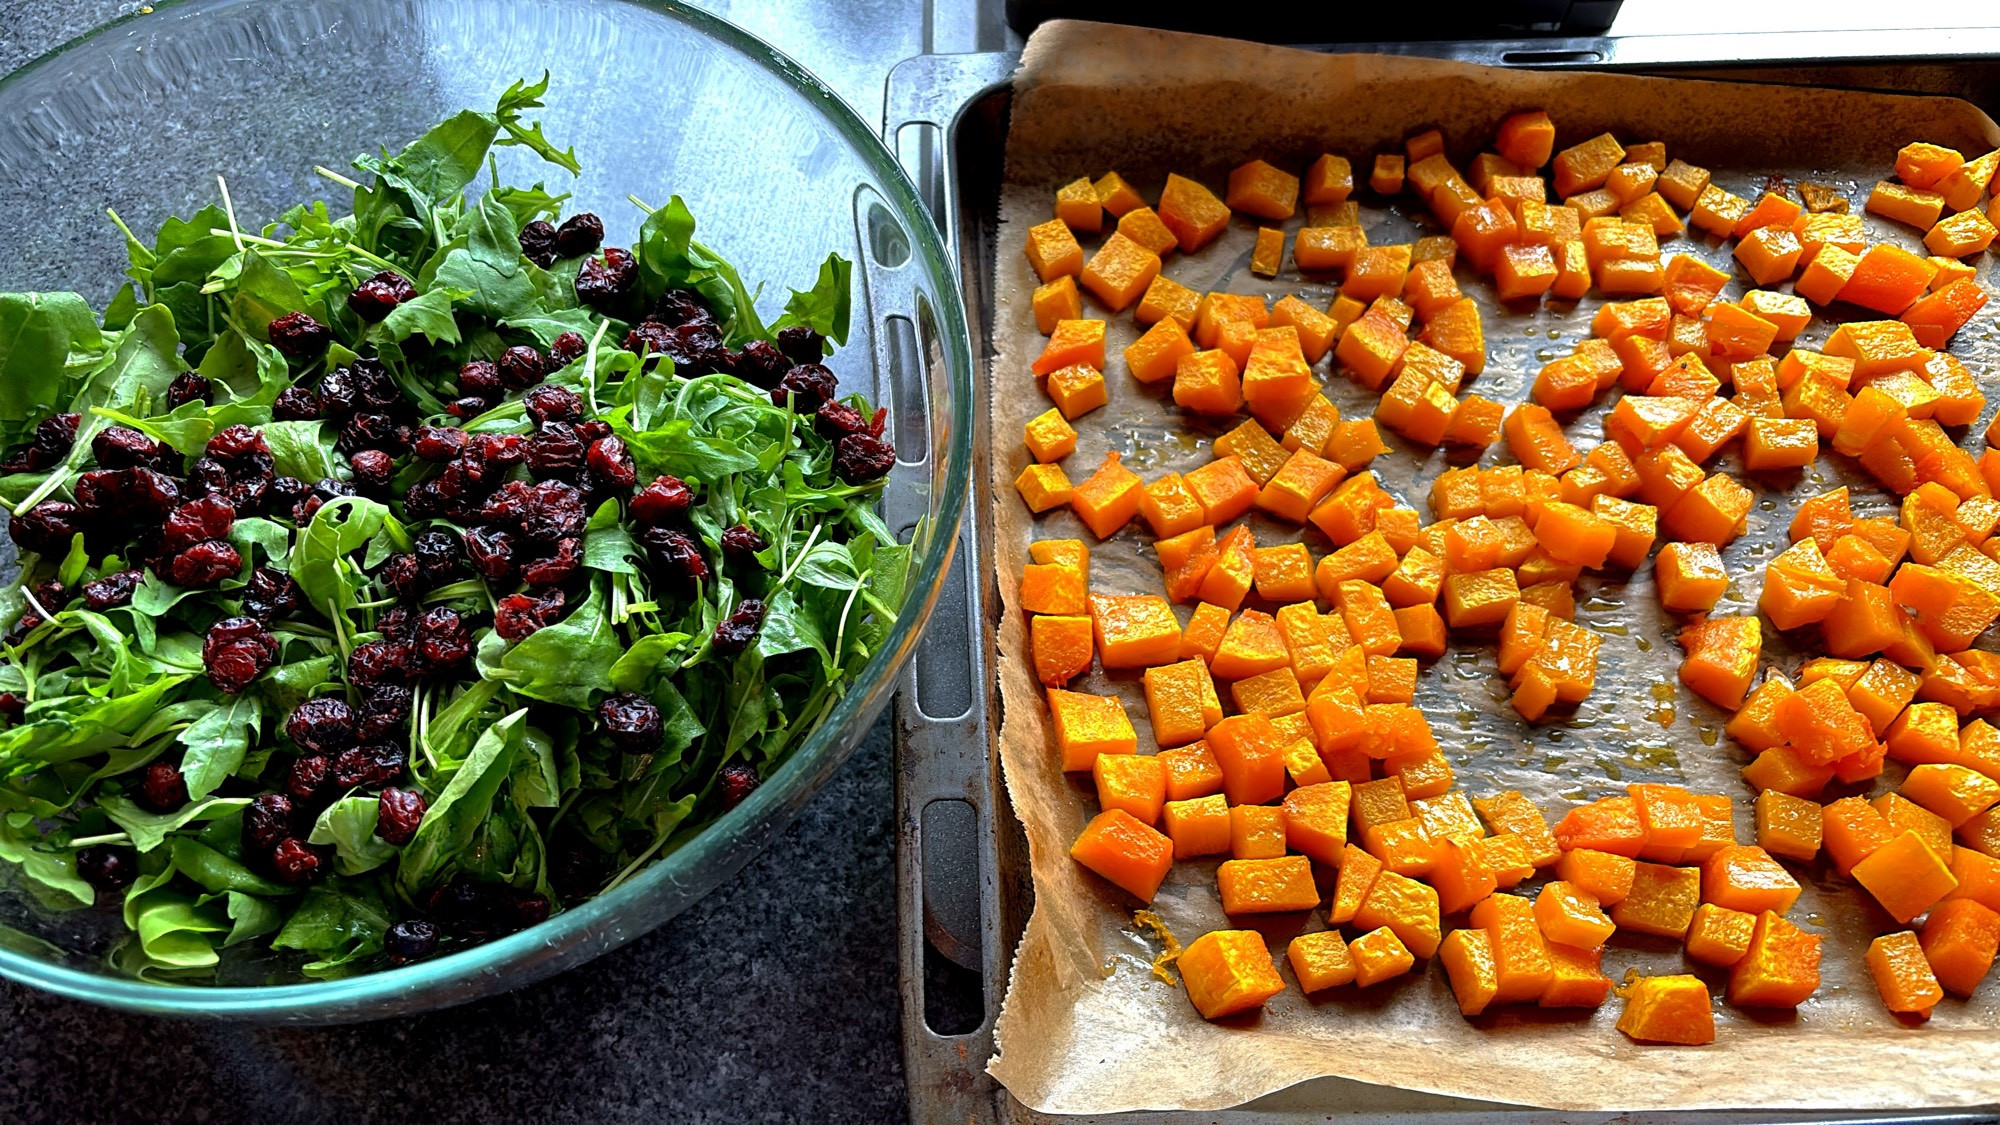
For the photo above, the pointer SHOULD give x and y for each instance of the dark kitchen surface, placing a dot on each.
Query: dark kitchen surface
(774, 998)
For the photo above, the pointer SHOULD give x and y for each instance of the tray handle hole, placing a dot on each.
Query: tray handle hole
(954, 983)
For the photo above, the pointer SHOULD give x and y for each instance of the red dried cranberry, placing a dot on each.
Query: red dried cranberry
(378, 662)
(296, 404)
(610, 460)
(339, 392)
(443, 639)
(592, 429)
(47, 528)
(127, 496)
(297, 335)
(324, 725)
(567, 349)
(271, 594)
(681, 306)
(741, 543)
(677, 554)
(467, 408)
(631, 721)
(560, 565)
(163, 788)
(762, 363)
(518, 615)
(373, 431)
(836, 420)
(581, 234)
(367, 766)
(440, 556)
(802, 344)
(697, 349)
(266, 820)
(285, 492)
(538, 243)
(861, 458)
(377, 297)
(122, 447)
(295, 860)
(188, 386)
(306, 781)
(522, 367)
(236, 651)
(482, 378)
(111, 591)
(55, 436)
(665, 500)
(13, 706)
(554, 452)
(738, 782)
(543, 512)
(373, 470)
(411, 939)
(604, 282)
(397, 815)
(552, 403)
(107, 868)
(384, 708)
(438, 443)
(501, 451)
(491, 551)
(403, 576)
(210, 517)
(806, 387)
(397, 623)
(323, 490)
(740, 628)
(651, 339)
(204, 564)
(233, 442)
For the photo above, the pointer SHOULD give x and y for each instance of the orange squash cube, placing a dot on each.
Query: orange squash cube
(1053, 251)
(1228, 971)
(1181, 702)
(1126, 852)
(1191, 772)
(1903, 974)
(1256, 832)
(1133, 783)
(1953, 792)
(1788, 826)
(1525, 140)
(1198, 826)
(1916, 206)
(1404, 906)
(1387, 176)
(1043, 487)
(1887, 279)
(1520, 954)
(1720, 936)
(1569, 915)
(1585, 166)
(1467, 956)
(1746, 878)
(1259, 189)
(1056, 301)
(1905, 875)
(1959, 941)
(1266, 886)
(1662, 900)
(1316, 820)
(1192, 212)
(1206, 382)
(1779, 970)
(1668, 1009)
(1249, 751)
(1320, 960)
(1379, 955)
(1329, 181)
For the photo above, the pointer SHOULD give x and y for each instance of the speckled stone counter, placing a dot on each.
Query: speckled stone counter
(774, 998)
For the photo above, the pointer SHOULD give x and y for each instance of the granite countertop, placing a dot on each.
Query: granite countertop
(704, 1019)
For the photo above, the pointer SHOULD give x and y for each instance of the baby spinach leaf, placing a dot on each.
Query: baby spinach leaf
(339, 925)
(149, 829)
(250, 917)
(451, 820)
(50, 875)
(302, 449)
(38, 331)
(568, 663)
(349, 825)
(173, 931)
(217, 872)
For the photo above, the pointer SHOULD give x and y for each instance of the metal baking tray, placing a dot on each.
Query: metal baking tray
(964, 890)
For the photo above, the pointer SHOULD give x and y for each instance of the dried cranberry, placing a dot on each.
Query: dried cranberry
(236, 651)
(522, 367)
(323, 490)
(122, 447)
(296, 404)
(632, 722)
(762, 364)
(443, 639)
(651, 339)
(403, 576)
(188, 386)
(552, 403)
(271, 594)
(741, 543)
(480, 377)
(377, 297)
(367, 766)
(306, 781)
(612, 462)
(605, 282)
(543, 512)
(501, 451)
(567, 349)
(739, 628)
(162, 787)
(370, 430)
(295, 860)
(581, 234)
(738, 782)
(323, 726)
(677, 553)
(127, 496)
(397, 623)
(538, 243)
(491, 551)
(285, 492)
(698, 349)
(836, 420)
(111, 591)
(411, 939)
(440, 556)
(384, 708)
(204, 564)
(438, 443)
(378, 662)
(210, 517)
(554, 452)
(266, 820)
(802, 344)
(860, 458)
(681, 306)
(232, 442)
(13, 706)
(47, 528)
(805, 387)
(592, 429)
(397, 815)
(665, 500)
(297, 335)
(339, 392)
(558, 567)
(54, 437)
(518, 615)
(467, 408)
(107, 868)
(373, 470)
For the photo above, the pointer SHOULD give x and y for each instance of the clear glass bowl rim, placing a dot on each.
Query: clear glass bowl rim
(456, 978)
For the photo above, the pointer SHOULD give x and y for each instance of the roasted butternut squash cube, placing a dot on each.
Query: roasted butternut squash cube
(1669, 1009)
(1404, 906)
(1126, 852)
(1587, 165)
(1959, 941)
(1520, 953)
(1903, 974)
(1780, 969)
(1320, 960)
(1192, 212)
(1089, 725)
(1262, 190)
(1135, 631)
(1266, 886)
(1905, 875)
(1043, 487)
(1662, 900)
(1228, 971)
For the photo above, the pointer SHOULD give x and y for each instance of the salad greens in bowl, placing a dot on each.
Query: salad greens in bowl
(427, 586)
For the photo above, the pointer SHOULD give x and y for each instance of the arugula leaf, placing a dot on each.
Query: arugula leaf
(50, 875)
(429, 314)
(264, 293)
(826, 307)
(217, 742)
(452, 818)
(301, 449)
(38, 333)
(521, 96)
(489, 265)
(670, 258)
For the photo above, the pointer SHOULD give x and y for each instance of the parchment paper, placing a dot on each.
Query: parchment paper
(1085, 1027)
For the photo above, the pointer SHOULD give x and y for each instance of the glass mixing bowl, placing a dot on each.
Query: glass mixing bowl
(142, 116)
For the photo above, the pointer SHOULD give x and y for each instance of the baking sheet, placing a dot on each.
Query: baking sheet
(1085, 1026)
